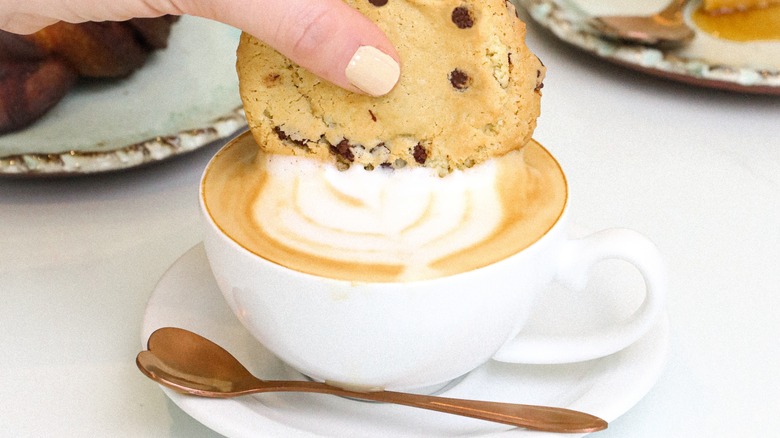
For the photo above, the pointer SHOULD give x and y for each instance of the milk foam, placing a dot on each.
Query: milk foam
(405, 217)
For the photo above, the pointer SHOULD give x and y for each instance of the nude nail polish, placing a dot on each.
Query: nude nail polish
(372, 71)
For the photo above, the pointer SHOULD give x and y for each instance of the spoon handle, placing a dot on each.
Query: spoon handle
(533, 417)
(529, 416)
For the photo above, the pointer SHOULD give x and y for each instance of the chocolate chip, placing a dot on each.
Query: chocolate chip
(459, 79)
(462, 18)
(343, 150)
(373, 116)
(420, 154)
(284, 137)
(378, 2)
(281, 134)
(271, 79)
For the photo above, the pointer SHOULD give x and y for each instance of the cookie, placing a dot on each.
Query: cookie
(469, 90)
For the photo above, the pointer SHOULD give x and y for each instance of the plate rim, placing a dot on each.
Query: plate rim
(153, 150)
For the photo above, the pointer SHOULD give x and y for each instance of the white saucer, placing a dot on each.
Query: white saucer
(188, 297)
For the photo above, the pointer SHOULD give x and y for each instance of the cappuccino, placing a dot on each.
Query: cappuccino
(384, 225)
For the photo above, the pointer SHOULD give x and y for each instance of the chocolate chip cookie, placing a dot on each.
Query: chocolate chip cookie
(469, 90)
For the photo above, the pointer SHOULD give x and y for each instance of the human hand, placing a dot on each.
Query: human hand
(327, 37)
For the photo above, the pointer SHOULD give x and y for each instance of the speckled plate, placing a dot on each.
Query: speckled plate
(752, 67)
(183, 98)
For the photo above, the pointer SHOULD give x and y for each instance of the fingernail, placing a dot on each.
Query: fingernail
(373, 71)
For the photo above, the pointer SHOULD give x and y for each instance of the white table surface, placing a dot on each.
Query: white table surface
(697, 171)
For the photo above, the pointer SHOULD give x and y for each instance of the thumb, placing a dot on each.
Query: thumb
(326, 37)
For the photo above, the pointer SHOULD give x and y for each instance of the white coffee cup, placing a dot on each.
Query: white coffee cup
(416, 334)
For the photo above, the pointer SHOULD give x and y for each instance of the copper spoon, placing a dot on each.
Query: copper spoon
(189, 363)
(666, 29)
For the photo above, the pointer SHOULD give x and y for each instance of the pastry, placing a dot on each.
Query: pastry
(28, 89)
(37, 70)
(469, 90)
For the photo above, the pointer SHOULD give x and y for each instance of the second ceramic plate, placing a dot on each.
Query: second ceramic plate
(752, 67)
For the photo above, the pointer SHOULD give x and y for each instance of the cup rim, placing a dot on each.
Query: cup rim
(559, 222)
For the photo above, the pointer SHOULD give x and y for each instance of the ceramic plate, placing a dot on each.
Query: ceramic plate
(187, 296)
(183, 98)
(752, 67)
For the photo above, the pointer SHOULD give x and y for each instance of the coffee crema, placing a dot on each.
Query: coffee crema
(383, 225)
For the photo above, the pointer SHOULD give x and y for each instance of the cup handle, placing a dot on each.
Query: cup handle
(577, 258)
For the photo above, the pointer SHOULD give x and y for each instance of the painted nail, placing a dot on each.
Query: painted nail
(373, 71)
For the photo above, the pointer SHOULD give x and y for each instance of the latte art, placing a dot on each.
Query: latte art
(408, 218)
(382, 225)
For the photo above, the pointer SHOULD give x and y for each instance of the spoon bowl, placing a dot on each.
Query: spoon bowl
(665, 29)
(189, 363)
